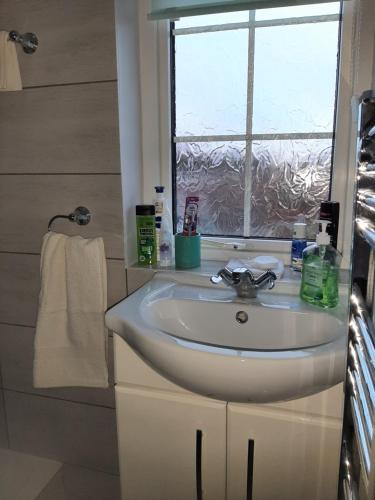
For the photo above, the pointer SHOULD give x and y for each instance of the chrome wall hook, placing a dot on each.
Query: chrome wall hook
(80, 216)
(29, 41)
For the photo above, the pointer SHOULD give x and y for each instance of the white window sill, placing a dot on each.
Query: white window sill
(221, 249)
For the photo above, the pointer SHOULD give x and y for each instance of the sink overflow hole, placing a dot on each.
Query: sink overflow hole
(241, 317)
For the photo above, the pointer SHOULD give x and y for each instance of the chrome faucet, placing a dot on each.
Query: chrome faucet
(244, 282)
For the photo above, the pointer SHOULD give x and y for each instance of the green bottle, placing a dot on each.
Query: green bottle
(320, 271)
(146, 235)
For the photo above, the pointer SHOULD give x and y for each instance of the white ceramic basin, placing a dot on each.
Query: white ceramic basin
(186, 329)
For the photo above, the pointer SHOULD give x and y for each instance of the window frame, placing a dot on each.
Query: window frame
(154, 53)
(248, 137)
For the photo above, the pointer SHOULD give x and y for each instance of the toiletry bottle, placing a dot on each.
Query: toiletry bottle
(299, 244)
(166, 242)
(330, 210)
(159, 202)
(320, 271)
(146, 236)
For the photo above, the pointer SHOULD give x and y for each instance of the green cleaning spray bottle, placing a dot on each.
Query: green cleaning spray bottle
(320, 270)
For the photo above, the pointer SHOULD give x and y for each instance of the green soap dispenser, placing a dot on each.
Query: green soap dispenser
(320, 271)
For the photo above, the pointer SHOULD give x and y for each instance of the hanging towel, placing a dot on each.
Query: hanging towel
(70, 344)
(10, 77)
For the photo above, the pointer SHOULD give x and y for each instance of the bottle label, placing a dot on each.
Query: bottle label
(313, 277)
(298, 247)
(297, 263)
(159, 207)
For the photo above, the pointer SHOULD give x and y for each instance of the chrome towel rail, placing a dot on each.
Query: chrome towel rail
(80, 216)
(363, 398)
(350, 489)
(359, 426)
(367, 231)
(361, 359)
(361, 378)
(362, 326)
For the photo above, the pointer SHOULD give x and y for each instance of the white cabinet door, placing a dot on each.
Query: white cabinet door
(278, 455)
(171, 446)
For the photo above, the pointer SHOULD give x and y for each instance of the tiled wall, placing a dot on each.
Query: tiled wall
(59, 148)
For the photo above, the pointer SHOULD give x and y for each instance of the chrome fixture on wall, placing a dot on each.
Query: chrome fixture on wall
(357, 475)
(29, 41)
(80, 216)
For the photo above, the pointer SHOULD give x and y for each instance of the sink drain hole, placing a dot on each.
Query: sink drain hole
(241, 317)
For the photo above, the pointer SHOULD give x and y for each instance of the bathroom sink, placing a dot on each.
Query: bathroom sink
(209, 341)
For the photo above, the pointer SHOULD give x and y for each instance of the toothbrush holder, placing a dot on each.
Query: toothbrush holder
(187, 251)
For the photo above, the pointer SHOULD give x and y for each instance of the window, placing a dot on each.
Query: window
(253, 106)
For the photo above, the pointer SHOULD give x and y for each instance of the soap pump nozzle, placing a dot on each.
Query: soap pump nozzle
(323, 238)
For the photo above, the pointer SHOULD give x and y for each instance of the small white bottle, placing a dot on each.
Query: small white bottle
(160, 203)
(166, 243)
(164, 229)
(299, 244)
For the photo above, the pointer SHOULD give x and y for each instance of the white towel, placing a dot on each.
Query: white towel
(10, 77)
(71, 338)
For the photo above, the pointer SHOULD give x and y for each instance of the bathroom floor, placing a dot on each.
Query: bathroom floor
(24, 477)
(27, 477)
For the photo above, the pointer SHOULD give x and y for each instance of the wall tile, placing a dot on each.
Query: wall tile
(137, 277)
(117, 289)
(76, 39)
(33, 199)
(3, 424)
(19, 286)
(16, 358)
(78, 483)
(73, 128)
(74, 433)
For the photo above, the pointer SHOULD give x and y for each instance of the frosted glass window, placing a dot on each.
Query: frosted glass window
(211, 83)
(253, 117)
(214, 172)
(289, 179)
(295, 78)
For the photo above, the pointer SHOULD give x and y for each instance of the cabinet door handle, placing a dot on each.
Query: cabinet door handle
(198, 463)
(250, 469)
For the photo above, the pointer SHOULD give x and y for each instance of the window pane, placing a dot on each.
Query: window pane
(215, 173)
(211, 83)
(295, 78)
(289, 180)
(211, 19)
(298, 11)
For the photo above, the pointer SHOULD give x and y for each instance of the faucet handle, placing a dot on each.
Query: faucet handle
(224, 274)
(268, 277)
(216, 279)
(240, 272)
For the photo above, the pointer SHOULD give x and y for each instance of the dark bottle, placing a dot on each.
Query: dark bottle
(330, 210)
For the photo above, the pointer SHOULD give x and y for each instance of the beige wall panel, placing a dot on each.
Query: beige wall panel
(72, 128)
(28, 202)
(3, 425)
(19, 287)
(76, 39)
(16, 359)
(74, 433)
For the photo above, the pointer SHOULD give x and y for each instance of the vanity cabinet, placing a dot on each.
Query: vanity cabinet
(273, 454)
(175, 445)
(172, 447)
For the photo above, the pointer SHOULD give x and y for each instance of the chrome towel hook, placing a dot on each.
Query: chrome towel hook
(29, 41)
(80, 216)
